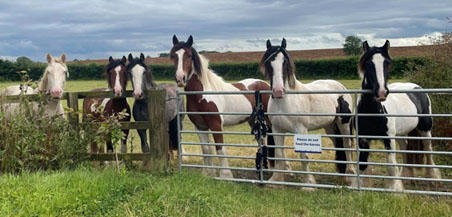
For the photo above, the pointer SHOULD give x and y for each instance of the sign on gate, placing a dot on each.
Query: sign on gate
(308, 143)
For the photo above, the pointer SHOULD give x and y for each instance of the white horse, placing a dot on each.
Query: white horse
(374, 70)
(53, 81)
(278, 65)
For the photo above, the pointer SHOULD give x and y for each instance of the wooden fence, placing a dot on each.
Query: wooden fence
(157, 158)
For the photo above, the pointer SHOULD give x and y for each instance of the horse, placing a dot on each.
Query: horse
(193, 74)
(373, 68)
(52, 82)
(143, 80)
(101, 109)
(278, 66)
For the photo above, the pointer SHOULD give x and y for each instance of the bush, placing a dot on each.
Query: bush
(436, 72)
(30, 140)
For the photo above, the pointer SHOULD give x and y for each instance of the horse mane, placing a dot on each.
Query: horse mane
(269, 55)
(111, 65)
(209, 79)
(369, 54)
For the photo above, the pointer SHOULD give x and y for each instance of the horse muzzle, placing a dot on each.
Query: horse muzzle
(278, 92)
(181, 80)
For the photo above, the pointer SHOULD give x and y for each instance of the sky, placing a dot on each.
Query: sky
(97, 29)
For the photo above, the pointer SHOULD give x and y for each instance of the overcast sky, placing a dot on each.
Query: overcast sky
(96, 29)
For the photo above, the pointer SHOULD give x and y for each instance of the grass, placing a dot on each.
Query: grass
(89, 192)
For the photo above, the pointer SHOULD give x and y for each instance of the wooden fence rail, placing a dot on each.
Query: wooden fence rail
(157, 159)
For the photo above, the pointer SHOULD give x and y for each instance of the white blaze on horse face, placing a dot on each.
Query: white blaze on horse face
(180, 67)
(117, 88)
(56, 78)
(278, 82)
(137, 78)
(378, 61)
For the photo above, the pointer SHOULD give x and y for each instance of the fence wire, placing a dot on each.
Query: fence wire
(430, 188)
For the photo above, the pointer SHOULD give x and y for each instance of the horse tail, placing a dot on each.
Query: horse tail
(340, 155)
(415, 145)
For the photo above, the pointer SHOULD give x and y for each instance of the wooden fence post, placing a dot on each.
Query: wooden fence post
(158, 130)
(72, 102)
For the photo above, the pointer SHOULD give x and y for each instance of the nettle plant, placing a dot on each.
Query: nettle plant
(30, 140)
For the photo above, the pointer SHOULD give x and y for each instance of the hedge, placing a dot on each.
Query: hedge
(343, 68)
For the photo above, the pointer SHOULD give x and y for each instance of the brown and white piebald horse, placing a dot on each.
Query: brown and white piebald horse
(193, 73)
(102, 108)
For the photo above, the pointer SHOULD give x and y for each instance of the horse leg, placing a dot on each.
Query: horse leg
(279, 164)
(173, 135)
(406, 171)
(144, 138)
(124, 141)
(395, 184)
(429, 172)
(344, 129)
(221, 150)
(206, 149)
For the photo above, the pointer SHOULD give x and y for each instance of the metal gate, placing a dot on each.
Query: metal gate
(244, 171)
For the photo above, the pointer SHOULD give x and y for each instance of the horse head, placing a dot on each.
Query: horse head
(277, 64)
(374, 67)
(54, 78)
(116, 75)
(186, 60)
(142, 78)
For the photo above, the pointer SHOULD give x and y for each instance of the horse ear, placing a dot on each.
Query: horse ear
(49, 58)
(130, 57)
(63, 58)
(269, 44)
(365, 46)
(190, 41)
(283, 43)
(142, 57)
(175, 40)
(123, 60)
(387, 45)
(110, 59)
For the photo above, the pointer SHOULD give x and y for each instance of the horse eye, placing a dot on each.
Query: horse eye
(189, 56)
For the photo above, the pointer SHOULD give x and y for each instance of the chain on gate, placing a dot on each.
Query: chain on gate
(259, 130)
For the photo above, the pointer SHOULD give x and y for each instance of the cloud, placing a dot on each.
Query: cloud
(99, 28)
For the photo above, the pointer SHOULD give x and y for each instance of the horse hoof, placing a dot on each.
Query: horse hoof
(397, 185)
(226, 174)
(276, 177)
(209, 172)
(308, 189)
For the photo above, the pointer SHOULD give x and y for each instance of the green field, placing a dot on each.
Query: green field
(95, 192)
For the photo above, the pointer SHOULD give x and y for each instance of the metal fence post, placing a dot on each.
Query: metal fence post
(179, 146)
(357, 141)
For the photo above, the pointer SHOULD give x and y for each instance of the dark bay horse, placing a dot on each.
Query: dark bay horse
(277, 64)
(193, 73)
(142, 80)
(103, 108)
(373, 68)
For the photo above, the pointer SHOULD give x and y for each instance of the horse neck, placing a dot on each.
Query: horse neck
(149, 82)
(367, 104)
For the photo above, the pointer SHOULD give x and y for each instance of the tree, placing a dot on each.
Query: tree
(163, 54)
(24, 61)
(352, 46)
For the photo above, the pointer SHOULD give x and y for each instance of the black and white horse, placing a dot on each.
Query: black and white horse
(142, 80)
(373, 67)
(278, 65)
